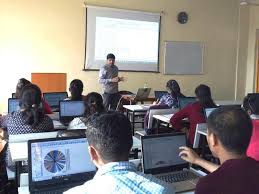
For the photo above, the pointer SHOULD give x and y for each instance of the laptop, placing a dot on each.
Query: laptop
(208, 111)
(58, 164)
(159, 94)
(166, 164)
(53, 98)
(184, 101)
(142, 93)
(68, 110)
(13, 104)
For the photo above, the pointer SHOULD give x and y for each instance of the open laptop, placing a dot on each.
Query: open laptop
(184, 101)
(13, 104)
(142, 93)
(53, 98)
(161, 158)
(58, 164)
(68, 110)
(159, 94)
(208, 111)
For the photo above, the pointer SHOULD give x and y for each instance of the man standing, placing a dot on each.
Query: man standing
(109, 148)
(108, 77)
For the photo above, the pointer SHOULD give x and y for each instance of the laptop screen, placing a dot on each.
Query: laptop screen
(208, 111)
(59, 159)
(71, 108)
(143, 93)
(159, 94)
(162, 152)
(183, 102)
(13, 105)
(54, 98)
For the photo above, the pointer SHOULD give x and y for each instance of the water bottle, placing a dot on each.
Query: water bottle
(145, 85)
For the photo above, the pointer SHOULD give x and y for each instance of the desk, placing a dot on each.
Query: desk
(24, 189)
(164, 118)
(201, 129)
(135, 109)
(19, 150)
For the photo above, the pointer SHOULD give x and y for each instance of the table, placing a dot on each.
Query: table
(201, 129)
(162, 118)
(135, 109)
(24, 189)
(19, 150)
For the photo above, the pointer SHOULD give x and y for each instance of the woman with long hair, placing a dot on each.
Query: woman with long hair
(168, 100)
(93, 103)
(30, 118)
(194, 112)
(20, 85)
(76, 89)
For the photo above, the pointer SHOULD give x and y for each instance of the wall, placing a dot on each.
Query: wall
(242, 52)
(49, 35)
(251, 60)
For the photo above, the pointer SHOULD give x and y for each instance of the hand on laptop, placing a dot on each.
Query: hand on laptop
(188, 155)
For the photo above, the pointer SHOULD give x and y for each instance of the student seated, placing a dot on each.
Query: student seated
(23, 82)
(229, 133)
(110, 141)
(76, 89)
(194, 112)
(30, 118)
(93, 107)
(251, 106)
(169, 100)
(3, 173)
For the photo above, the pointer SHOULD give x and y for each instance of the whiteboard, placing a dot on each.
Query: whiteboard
(183, 57)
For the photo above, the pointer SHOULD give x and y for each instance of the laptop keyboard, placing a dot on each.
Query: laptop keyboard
(59, 191)
(178, 176)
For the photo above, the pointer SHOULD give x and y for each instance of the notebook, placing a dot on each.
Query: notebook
(53, 98)
(161, 158)
(142, 93)
(13, 104)
(68, 110)
(58, 164)
(184, 101)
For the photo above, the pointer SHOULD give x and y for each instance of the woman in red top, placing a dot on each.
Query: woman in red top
(194, 112)
(251, 105)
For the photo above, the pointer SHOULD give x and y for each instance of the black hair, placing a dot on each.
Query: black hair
(110, 56)
(174, 87)
(111, 135)
(76, 89)
(93, 104)
(203, 93)
(21, 83)
(30, 103)
(251, 102)
(233, 127)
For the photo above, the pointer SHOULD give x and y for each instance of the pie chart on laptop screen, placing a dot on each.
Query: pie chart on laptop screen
(54, 161)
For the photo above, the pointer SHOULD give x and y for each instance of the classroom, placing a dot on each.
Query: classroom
(59, 37)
